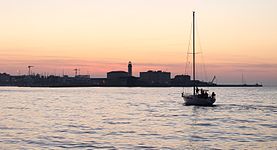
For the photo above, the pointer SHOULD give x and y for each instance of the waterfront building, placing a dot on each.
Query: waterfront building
(155, 78)
(98, 81)
(116, 74)
(117, 78)
(83, 76)
(5, 79)
(181, 80)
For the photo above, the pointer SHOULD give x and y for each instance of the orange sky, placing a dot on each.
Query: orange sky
(99, 36)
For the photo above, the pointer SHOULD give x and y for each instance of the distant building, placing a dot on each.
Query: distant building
(181, 80)
(117, 78)
(130, 70)
(116, 74)
(4, 79)
(83, 76)
(98, 81)
(155, 78)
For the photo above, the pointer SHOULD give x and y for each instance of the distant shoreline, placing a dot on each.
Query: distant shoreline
(220, 85)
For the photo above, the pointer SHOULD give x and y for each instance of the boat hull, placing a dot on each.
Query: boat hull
(198, 101)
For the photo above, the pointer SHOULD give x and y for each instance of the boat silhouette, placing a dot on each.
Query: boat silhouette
(202, 98)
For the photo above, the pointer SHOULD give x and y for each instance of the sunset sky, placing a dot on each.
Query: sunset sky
(236, 37)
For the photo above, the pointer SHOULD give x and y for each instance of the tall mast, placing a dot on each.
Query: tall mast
(193, 50)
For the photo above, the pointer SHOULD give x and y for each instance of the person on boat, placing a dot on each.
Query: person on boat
(201, 91)
(213, 95)
(197, 90)
(206, 94)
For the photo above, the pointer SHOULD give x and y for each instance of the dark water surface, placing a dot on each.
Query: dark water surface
(136, 118)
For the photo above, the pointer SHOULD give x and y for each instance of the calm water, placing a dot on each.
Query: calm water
(136, 118)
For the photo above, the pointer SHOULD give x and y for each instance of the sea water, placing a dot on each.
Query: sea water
(136, 118)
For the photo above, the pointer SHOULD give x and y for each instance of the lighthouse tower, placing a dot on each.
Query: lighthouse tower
(130, 71)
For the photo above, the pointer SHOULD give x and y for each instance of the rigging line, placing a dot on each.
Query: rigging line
(202, 54)
(187, 61)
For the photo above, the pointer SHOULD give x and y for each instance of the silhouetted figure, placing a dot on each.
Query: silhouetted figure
(206, 94)
(201, 92)
(213, 95)
(197, 90)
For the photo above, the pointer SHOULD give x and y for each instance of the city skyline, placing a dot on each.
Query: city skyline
(97, 37)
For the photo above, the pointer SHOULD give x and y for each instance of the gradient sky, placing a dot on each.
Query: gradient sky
(236, 37)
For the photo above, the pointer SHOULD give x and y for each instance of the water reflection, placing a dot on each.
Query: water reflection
(149, 118)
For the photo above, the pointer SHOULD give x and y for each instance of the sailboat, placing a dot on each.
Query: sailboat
(202, 98)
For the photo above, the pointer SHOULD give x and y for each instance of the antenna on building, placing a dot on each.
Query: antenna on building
(29, 70)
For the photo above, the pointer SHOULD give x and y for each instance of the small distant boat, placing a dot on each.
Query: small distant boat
(202, 98)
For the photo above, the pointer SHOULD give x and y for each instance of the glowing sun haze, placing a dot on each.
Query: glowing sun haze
(99, 36)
